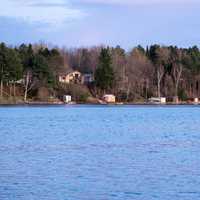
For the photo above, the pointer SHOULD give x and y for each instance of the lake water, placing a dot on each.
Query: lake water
(100, 153)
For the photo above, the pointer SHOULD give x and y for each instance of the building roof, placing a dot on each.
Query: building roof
(68, 71)
(109, 95)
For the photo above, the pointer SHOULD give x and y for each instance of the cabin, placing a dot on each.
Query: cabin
(196, 100)
(109, 98)
(71, 76)
(67, 98)
(75, 77)
(157, 100)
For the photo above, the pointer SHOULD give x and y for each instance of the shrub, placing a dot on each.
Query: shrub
(182, 95)
(79, 93)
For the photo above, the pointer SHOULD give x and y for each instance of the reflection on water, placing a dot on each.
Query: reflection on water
(99, 153)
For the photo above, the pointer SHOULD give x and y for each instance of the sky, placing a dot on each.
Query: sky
(85, 23)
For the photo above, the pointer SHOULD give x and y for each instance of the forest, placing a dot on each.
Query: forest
(30, 72)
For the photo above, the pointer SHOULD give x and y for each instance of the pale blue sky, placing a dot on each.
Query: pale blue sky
(127, 23)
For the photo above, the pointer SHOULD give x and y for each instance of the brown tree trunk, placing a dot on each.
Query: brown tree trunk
(10, 90)
(176, 89)
(14, 90)
(1, 92)
(26, 87)
(1, 89)
(25, 95)
(159, 89)
(146, 89)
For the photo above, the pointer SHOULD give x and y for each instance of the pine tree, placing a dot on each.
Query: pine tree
(104, 75)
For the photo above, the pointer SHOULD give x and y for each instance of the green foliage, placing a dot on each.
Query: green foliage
(3, 61)
(192, 60)
(26, 54)
(115, 70)
(42, 64)
(41, 70)
(49, 64)
(104, 75)
(141, 49)
(83, 98)
(79, 93)
(152, 53)
(182, 95)
(10, 64)
(14, 66)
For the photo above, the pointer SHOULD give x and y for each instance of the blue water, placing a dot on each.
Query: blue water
(100, 153)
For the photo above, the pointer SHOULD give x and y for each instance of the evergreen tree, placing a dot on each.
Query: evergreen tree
(104, 75)
(11, 67)
(3, 66)
(14, 66)
(41, 71)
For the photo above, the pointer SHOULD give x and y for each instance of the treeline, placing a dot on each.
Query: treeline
(29, 67)
(132, 76)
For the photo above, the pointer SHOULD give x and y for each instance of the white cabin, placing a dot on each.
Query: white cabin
(109, 98)
(157, 100)
(67, 98)
(196, 100)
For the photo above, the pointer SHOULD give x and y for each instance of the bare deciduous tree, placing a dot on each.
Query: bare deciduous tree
(139, 73)
(28, 82)
(177, 69)
(162, 60)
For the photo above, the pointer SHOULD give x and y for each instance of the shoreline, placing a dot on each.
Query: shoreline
(96, 104)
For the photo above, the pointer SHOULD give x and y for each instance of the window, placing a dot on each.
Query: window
(76, 76)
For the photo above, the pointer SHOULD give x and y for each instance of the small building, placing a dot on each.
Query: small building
(157, 100)
(109, 98)
(71, 76)
(163, 100)
(196, 100)
(67, 98)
